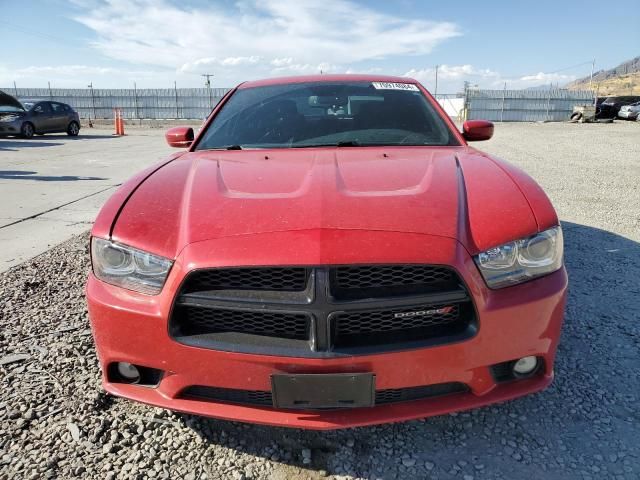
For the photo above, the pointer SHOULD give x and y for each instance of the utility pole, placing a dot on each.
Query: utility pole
(207, 84)
(15, 88)
(435, 93)
(50, 96)
(593, 65)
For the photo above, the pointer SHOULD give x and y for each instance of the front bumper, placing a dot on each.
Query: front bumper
(10, 128)
(514, 322)
(628, 114)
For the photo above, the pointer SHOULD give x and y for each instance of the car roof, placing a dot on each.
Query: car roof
(347, 77)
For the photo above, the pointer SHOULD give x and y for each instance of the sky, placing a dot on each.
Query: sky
(154, 43)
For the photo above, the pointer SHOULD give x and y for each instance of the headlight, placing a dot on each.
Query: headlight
(9, 118)
(128, 267)
(522, 260)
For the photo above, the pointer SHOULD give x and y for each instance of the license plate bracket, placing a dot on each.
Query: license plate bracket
(315, 391)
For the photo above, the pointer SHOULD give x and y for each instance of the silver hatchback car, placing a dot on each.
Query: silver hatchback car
(31, 117)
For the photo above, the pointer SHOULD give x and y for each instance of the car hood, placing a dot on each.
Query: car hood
(7, 100)
(454, 192)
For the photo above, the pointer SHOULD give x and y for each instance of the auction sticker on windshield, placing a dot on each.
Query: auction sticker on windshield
(394, 86)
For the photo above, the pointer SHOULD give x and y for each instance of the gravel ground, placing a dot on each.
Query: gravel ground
(55, 422)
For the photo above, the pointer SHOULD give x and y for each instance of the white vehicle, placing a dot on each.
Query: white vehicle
(629, 111)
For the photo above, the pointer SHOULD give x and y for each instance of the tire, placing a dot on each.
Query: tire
(27, 130)
(575, 117)
(73, 129)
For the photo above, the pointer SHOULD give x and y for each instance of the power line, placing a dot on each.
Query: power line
(44, 36)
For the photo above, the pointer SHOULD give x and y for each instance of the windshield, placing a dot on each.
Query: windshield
(10, 108)
(327, 114)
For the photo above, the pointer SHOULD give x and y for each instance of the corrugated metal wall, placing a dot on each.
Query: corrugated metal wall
(196, 103)
(160, 103)
(524, 105)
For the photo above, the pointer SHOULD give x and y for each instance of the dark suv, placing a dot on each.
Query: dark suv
(610, 107)
(29, 117)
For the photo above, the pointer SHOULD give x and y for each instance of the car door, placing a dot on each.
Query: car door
(59, 117)
(41, 116)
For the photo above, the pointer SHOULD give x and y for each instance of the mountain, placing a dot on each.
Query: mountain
(621, 80)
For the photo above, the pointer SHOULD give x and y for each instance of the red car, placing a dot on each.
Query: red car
(328, 252)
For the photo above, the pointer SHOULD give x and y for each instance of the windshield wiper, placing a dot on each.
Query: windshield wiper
(347, 143)
(233, 147)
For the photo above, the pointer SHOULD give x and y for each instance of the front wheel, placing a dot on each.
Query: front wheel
(73, 129)
(27, 130)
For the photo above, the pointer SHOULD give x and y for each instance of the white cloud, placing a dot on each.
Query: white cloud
(257, 37)
(451, 78)
(75, 76)
(542, 78)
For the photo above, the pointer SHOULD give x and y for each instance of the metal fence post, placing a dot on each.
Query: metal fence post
(175, 89)
(135, 100)
(504, 93)
(548, 102)
(93, 102)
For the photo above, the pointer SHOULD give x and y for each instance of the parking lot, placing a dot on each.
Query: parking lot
(55, 423)
(52, 186)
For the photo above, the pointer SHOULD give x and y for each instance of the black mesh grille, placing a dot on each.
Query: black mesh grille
(260, 278)
(360, 281)
(229, 395)
(503, 372)
(420, 316)
(395, 395)
(378, 327)
(196, 320)
(340, 309)
(263, 398)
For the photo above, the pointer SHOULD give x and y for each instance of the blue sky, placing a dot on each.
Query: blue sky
(154, 43)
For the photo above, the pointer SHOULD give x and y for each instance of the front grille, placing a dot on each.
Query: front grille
(354, 328)
(398, 319)
(228, 395)
(322, 311)
(395, 395)
(198, 321)
(264, 398)
(273, 278)
(359, 281)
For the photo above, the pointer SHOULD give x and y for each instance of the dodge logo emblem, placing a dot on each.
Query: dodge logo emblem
(423, 313)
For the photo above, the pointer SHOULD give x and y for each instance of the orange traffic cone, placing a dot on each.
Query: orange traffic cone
(118, 122)
(121, 123)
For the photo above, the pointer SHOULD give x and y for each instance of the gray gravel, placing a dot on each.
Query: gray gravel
(55, 422)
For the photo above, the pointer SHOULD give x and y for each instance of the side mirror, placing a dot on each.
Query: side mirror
(477, 130)
(179, 137)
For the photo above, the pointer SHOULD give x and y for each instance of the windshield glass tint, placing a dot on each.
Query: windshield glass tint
(10, 108)
(323, 114)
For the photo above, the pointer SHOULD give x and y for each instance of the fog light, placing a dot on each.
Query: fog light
(525, 365)
(128, 372)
